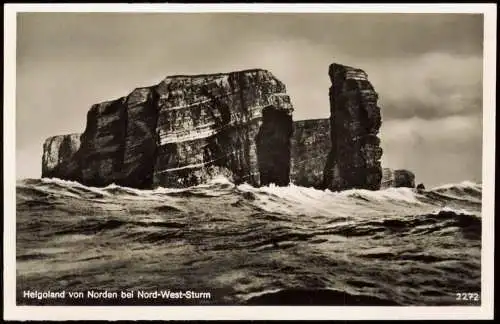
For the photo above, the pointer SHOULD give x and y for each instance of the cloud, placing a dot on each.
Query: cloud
(426, 68)
(67, 35)
(434, 85)
(411, 131)
(435, 150)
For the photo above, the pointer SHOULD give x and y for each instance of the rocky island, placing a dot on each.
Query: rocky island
(189, 128)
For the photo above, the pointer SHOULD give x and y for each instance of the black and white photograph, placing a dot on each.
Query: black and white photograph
(190, 158)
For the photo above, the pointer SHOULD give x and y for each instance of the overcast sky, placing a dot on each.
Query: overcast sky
(427, 69)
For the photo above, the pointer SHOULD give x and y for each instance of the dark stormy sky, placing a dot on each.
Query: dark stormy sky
(427, 69)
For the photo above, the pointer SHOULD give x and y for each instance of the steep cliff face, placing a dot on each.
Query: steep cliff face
(310, 149)
(188, 129)
(273, 147)
(103, 143)
(354, 161)
(397, 178)
(58, 156)
(139, 154)
(212, 124)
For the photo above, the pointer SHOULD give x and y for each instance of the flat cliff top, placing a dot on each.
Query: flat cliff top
(342, 66)
(311, 121)
(62, 135)
(191, 79)
(216, 74)
(351, 72)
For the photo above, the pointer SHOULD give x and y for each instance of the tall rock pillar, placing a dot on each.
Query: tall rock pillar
(354, 161)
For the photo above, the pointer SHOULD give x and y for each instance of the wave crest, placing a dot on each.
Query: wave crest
(291, 199)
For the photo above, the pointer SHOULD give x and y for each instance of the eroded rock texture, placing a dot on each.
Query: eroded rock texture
(398, 178)
(103, 143)
(213, 124)
(310, 149)
(140, 150)
(354, 161)
(58, 156)
(186, 130)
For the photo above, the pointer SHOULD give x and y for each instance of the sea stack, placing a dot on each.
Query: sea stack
(354, 160)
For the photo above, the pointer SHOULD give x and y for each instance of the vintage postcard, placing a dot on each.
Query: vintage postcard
(249, 161)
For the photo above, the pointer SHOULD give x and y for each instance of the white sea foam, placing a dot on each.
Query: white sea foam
(291, 199)
(462, 185)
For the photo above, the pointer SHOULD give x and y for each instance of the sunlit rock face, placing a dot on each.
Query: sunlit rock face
(354, 160)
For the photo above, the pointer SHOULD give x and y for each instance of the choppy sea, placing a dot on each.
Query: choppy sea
(248, 246)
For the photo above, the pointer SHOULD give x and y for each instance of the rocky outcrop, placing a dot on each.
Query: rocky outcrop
(103, 144)
(354, 161)
(213, 124)
(310, 149)
(58, 156)
(188, 129)
(397, 178)
(139, 154)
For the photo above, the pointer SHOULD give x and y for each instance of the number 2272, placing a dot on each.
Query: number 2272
(468, 296)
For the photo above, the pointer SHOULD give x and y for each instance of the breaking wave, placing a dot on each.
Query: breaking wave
(269, 245)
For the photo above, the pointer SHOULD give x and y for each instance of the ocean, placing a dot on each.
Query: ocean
(225, 244)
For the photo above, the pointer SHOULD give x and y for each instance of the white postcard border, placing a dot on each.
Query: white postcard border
(485, 311)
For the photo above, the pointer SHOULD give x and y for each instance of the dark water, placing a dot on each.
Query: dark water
(243, 245)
